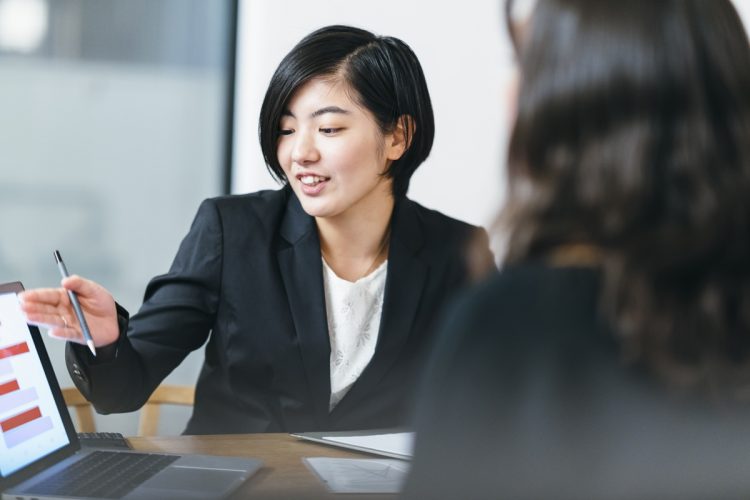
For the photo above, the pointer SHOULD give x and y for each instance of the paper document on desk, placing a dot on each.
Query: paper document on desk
(390, 444)
(359, 475)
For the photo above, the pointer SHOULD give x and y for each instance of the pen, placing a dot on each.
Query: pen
(76, 305)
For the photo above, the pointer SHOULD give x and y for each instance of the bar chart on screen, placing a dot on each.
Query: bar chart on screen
(28, 414)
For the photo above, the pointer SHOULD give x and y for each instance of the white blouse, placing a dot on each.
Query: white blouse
(354, 311)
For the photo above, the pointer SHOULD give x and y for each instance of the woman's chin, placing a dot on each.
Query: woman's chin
(315, 208)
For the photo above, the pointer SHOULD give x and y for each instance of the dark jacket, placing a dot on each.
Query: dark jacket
(248, 278)
(529, 396)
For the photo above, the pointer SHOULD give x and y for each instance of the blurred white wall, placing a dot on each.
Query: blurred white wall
(743, 7)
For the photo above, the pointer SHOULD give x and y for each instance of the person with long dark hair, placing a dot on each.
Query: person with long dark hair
(316, 300)
(610, 357)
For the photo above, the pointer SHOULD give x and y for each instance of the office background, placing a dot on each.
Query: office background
(119, 116)
(113, 129)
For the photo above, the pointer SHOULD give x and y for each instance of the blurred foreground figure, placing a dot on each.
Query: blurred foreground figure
(611, 356)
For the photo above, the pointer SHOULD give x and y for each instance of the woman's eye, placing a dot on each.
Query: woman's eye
(286, 131)
(329, 130)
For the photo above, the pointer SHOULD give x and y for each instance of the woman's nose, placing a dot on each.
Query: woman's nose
(304, 150)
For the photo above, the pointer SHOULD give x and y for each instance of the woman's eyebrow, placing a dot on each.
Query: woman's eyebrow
(321, 111)
(329, 109)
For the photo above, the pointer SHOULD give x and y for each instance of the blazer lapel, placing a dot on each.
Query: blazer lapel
(403, 289)
(302, 273)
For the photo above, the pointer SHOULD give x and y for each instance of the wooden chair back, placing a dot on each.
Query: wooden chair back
(83, 412)
(165, 394)
(148, 422)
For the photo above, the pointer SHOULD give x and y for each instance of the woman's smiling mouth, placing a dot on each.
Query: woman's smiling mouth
(311, 180)
(311, 184)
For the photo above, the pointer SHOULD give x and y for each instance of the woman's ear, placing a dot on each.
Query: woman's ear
(399, 140)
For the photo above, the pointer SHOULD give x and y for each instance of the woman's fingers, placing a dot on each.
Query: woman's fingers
(51, 308)
(58, 326)
(40, 297)
(69, 334)
(35, 308)
(52, 320)
(87, 290)
(81, 286)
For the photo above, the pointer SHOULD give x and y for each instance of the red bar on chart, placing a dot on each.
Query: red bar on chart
(20, 419)
(8, 387)
(13, 350)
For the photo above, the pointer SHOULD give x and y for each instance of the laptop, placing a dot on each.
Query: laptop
(41, 457)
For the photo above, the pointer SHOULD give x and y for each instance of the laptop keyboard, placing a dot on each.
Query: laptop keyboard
(104, 474)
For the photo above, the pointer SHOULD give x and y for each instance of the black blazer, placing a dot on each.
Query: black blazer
(248, 278)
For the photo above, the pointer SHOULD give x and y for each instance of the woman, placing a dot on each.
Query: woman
(317, 300)
(607, 359)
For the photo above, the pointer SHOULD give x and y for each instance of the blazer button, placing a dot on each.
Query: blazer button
(78, 372)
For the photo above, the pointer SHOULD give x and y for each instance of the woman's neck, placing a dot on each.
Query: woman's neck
(354, 246)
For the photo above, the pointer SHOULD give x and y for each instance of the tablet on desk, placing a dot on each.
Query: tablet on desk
(393, 443)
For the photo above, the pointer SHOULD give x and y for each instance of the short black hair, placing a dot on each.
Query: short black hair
(385, 77)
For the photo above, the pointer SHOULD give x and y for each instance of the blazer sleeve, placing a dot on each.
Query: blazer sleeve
(176, 317)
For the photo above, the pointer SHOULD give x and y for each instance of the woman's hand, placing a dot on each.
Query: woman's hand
(51, 308)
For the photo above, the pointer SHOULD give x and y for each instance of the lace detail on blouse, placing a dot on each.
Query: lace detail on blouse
(354, 311)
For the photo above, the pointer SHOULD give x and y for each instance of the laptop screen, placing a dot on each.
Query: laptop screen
(31, 424)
